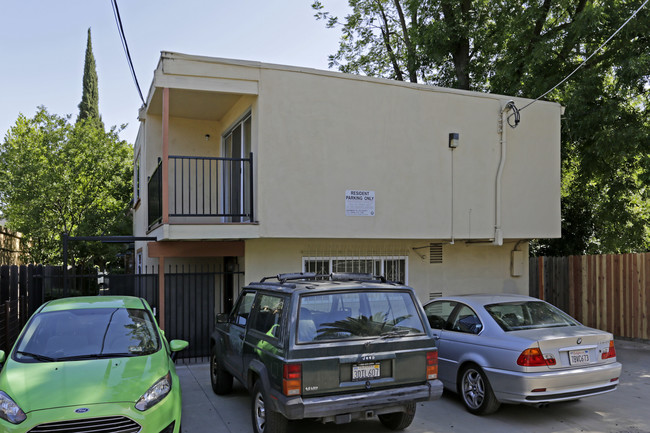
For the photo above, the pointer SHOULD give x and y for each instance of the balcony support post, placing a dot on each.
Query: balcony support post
(165, 156)
(251, 190)
(161, 293)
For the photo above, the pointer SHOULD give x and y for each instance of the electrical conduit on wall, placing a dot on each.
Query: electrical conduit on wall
(498, 233)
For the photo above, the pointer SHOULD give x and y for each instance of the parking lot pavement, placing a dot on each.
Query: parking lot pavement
(625, 410)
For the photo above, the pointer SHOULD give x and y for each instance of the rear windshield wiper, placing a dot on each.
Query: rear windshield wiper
(388, 334)
(37, 356)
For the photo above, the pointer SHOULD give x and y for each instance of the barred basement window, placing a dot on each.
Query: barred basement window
(394, 268)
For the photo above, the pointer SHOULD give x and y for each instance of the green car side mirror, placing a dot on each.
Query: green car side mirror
(178, 345)
(3, 356)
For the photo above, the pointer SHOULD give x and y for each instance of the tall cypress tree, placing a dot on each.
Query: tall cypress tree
(89, 106)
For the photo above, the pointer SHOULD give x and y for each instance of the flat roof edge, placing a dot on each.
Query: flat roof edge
(340, 75)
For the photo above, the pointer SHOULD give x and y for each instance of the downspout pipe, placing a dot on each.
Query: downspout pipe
(498, 233)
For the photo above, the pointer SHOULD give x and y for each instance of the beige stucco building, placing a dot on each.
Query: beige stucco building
(288, 169)
(10, 248)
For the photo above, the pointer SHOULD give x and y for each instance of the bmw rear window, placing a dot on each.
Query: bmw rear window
(514, 316)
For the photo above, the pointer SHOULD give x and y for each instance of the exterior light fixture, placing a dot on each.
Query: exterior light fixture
(453, 139)
(207, 137)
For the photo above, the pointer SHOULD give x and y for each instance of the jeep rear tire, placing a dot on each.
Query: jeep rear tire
(399, 420)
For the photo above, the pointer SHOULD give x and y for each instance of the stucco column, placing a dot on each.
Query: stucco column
(161, 292)
(165, 156)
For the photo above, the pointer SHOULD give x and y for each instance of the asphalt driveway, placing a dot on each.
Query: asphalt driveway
(626, 410)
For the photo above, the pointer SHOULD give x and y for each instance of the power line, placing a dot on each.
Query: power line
(587, 59)
(125, 46)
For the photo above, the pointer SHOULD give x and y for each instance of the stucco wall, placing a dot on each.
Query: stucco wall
(320, 135)
(466, 268)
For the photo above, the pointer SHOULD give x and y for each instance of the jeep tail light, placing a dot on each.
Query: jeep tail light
(292, 379)
(533, 357)
(611, 353)
(432, 365)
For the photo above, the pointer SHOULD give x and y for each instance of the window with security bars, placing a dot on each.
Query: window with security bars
(391, 267)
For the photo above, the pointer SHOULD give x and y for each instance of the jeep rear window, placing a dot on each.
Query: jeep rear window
(357, 315)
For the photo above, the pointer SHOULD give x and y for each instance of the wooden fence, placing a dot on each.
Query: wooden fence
(610, 292)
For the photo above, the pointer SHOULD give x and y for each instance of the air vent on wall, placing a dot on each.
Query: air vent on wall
(435, 253)
(434, 295)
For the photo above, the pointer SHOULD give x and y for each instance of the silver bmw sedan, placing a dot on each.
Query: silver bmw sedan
(495, 349)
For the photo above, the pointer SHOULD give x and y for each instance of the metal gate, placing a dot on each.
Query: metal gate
(193, 297)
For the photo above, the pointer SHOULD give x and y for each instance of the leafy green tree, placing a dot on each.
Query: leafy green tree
(524, 48)
(59, 178)
(89, 105)
(376, 39)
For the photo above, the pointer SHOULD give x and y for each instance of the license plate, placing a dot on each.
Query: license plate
(578, 357)
(365, 371)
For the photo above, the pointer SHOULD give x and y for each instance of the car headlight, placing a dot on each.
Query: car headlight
(157, 392)
(10, 411)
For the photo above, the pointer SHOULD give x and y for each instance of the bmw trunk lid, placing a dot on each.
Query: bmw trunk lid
(571, 347)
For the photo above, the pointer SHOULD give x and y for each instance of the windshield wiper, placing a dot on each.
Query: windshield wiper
(388, 334)
(117, 355)
(37, 356)
(95, 356)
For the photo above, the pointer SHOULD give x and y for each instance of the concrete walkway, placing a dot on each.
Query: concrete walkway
(626, 410)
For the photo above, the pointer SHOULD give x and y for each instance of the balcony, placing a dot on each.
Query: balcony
(202, 190)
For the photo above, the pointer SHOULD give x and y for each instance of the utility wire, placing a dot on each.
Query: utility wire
(125, 46)
(587, 59)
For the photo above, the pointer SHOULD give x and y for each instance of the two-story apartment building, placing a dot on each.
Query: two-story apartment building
(288, 169)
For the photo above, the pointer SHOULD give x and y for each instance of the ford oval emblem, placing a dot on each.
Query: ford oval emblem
(81, 410)
(579, 340)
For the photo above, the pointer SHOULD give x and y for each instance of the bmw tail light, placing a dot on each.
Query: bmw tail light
(291, 379)
(611, 352)
(533, 357)
(432, 365)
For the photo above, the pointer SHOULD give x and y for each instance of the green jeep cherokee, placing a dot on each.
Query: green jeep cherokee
(333, 348)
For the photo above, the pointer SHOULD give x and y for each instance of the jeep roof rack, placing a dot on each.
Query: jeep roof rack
(334, 276)
(355, 276)
(293, 276)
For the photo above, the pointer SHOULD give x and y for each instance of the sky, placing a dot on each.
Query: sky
(43, 44)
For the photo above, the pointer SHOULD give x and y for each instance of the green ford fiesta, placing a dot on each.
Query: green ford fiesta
(91, 364)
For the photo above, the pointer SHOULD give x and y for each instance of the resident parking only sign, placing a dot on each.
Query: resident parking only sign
(359, 203)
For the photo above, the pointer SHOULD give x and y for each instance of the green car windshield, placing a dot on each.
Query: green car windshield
(88, 334)
(357, 315)
(515, 316)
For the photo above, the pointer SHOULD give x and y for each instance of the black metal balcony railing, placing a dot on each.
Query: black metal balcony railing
(205, 187)
(154, 192)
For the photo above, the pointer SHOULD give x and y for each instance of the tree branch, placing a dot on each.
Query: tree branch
(385, 31)
(410, 51)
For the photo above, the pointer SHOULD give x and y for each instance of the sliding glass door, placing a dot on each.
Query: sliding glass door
(236, 174)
